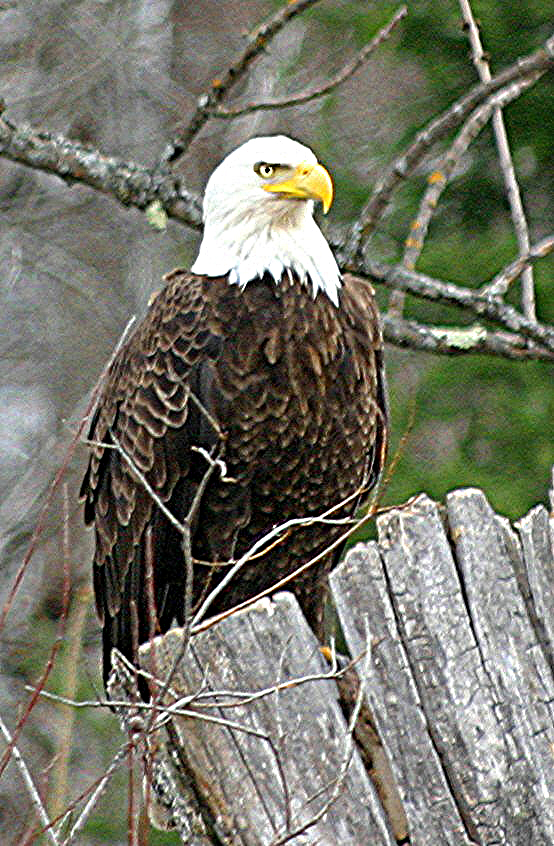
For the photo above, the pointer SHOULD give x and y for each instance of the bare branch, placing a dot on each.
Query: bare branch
(55, 648)
(513, 336)
(184, 529)
(455, 341)
(506, 163)
(440, 176)
(142, 480)
(131, 184)
(117, 761)
(131, 792)
(235, 698)
(54, 485)
(209, 417)
(172, 711)
(189, 571)
(504, 279)
(202, 699)
(99, 703)
(187, 539)
(473, 301)
(355, 525)
(261, 544)
(319, 91)
(153, 622)
(536, 63)
(30, 785)
(255, 45)
(135, 185)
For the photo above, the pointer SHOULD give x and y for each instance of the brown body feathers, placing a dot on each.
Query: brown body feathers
(296, 387)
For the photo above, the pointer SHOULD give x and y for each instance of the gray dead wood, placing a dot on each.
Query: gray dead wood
(461, 682)
(536, 532)
(459, 685)
(234, 775)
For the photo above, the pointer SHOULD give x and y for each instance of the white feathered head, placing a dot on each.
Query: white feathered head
(258, 216)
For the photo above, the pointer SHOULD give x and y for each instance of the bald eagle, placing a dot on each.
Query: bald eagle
(261, 355)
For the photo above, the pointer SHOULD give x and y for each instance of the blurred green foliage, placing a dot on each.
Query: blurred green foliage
(477, 420)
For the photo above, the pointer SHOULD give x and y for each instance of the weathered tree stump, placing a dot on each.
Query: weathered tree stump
(459, 680)
(461, 683)
(245, 785)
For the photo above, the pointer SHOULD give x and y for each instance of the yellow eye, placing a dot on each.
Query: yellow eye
(264, 170)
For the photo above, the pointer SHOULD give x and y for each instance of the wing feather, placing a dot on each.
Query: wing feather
(144, 407)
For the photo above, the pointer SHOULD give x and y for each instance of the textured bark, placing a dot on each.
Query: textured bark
(461, 680)
(459, 686)
(235, 777)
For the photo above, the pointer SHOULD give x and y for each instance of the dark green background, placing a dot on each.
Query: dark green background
(477, 420)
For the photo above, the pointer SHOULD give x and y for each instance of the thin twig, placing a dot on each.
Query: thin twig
(141, 479)
(278, 531)
(187, 539)
(338, 783)
(117, 761)
(207, 718)
(203, 410)
(184, 529)
(504, 279)
(41, 521)
(95, 703)
(442, 173)
(356, 524)
(180, 707)
(164, 713)
(238, 698)
(261, 543)
(256, 43)
(131, 793)
(231, 698)
(213, 464)
(506, 163)
(153, 622)
(30, 785)
(70, 809)
(348, 70)
(56, 646)
(538, 62)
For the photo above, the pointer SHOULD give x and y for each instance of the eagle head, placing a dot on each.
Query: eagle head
(258, 217)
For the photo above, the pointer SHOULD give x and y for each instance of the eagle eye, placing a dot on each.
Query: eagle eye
(264, 170)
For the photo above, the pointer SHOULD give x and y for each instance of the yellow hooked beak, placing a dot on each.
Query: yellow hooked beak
(308, 182)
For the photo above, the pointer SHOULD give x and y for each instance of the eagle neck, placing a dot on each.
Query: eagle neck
(289, 246)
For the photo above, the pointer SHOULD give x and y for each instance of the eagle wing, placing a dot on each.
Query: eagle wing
(146, 423)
